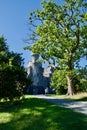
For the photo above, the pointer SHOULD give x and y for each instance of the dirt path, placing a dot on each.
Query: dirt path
(79, 106)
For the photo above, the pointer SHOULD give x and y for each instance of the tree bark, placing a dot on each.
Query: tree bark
(70, 90)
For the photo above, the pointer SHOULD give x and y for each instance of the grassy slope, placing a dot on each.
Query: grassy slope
(37, 114)
(78, 97)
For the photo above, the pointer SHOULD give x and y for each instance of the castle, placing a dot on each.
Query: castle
(40, 76)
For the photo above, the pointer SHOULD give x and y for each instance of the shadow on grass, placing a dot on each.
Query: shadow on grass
(37, 114)
(76, 105)
(82, 99)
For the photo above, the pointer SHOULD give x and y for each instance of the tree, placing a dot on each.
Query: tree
(13, 77)
(59, 81)
(59, 35)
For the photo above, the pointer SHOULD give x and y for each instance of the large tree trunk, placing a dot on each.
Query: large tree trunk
(70, 90)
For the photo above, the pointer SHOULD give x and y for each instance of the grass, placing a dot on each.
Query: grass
(37, 114)
(77, 97)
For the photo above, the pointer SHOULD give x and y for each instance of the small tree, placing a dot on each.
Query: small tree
(60, 35)
(59, 82)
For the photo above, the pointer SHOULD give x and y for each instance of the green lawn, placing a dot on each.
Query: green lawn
(77, 97)
(37, 114)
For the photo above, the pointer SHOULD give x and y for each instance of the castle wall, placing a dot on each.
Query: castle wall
(39, 75)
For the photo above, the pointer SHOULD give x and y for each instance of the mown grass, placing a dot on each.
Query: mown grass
(37, 114)
(77, 97)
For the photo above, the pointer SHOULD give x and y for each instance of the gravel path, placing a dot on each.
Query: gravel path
(79, 106)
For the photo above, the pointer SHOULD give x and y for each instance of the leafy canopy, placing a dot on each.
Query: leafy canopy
(59, 33)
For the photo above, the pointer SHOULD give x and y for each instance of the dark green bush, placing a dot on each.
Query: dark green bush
(13, 77)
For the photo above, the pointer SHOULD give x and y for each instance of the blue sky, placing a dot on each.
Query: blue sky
(14, 23)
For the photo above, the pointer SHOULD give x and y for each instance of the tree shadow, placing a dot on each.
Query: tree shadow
(37, 114)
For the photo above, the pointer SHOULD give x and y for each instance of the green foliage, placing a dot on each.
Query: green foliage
(12, 73)
(59, 82)
(82, 76)
(60, 33)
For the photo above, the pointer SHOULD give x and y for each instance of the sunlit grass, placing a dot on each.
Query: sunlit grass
(37, 114)
(5, 117)
(78, 96)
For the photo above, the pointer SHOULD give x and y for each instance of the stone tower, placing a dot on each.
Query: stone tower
(39, 76)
